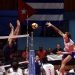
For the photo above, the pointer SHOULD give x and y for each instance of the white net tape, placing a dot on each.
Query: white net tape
(16, 36)
(23, 62)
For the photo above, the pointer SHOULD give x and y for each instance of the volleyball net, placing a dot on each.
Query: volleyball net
(14, 36)
(31, 59)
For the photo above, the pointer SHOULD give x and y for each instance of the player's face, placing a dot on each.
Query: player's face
(66, 38)
(37, 58)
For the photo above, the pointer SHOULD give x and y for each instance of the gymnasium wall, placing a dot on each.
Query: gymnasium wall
(8, 13)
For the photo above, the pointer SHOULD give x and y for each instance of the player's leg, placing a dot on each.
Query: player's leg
(64, 61)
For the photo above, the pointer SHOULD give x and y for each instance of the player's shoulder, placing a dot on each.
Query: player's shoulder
(71, 42)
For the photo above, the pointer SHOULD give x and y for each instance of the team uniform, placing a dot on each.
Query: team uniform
(2, 70)
(10, 71)
(66, 49)
(26, 71)
(49, 69)
(8, 51)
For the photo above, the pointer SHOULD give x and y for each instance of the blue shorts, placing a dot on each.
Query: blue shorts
(72, 55)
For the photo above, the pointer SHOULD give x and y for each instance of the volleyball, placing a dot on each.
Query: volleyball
(34, 25)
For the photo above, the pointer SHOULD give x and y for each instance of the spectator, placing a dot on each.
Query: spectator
(57, 49)
(41, 53)
(49, 51)
(37, 65)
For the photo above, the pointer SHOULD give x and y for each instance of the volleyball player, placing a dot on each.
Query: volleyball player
(13, 32)
(10, 46)
(69, 47)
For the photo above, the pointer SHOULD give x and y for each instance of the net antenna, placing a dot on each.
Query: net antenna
(31, 40)
(27, 45)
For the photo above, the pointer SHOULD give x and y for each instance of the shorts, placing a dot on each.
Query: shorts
(72, 55)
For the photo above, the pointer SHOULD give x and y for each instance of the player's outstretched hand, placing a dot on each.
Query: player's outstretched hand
(11, 26)
(48, 24)
(18, 22)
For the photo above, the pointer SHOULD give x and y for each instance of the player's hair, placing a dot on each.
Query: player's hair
(15, 65)
(68, 34)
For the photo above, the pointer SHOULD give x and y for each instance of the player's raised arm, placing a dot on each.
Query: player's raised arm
(10, 39)
(17, 29)
(55, 28)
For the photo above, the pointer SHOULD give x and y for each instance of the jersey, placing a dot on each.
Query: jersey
(67, 45)
(49, 69)
(26, 71)
(2, 70)
(10, 71)
(71, 71)
(9, 51)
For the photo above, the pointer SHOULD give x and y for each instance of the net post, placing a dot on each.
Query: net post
(31, 58)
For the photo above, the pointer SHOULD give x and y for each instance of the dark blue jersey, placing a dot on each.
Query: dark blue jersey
(9, 50)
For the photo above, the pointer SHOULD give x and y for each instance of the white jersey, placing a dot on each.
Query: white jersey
(71, 71)
(10, 71)
(2, 70)
(49, 69)
(67, 45)
(26, 71)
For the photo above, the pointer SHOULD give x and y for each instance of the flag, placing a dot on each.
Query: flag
(41, 10)
(24, 10)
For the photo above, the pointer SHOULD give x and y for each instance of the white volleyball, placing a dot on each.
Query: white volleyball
(34, 25)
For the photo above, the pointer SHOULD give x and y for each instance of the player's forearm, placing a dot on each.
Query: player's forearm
(17, 30)
(10, 39)
(57, 30)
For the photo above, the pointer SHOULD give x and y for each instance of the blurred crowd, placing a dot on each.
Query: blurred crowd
(40, 58)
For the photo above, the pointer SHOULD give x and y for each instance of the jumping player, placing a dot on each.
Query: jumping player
(10, 46)
(69, 47)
